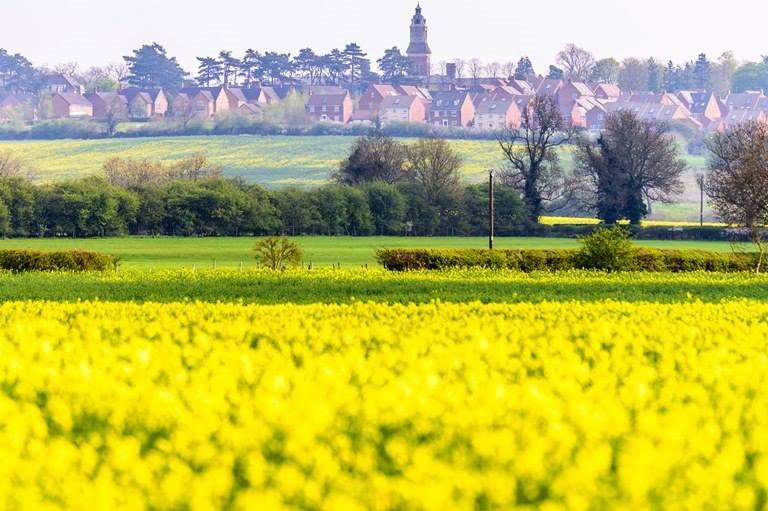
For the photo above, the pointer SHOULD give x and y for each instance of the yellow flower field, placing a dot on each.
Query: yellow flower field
(342, 407)
(568, 220)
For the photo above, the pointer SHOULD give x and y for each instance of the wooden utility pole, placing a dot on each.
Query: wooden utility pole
(490, 210)
(700, 182)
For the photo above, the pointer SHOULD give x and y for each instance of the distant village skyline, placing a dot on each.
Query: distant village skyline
(491, 26)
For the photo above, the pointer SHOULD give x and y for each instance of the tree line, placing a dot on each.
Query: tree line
(192, 198)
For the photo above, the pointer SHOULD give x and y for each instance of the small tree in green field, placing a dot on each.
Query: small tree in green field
(277, 253)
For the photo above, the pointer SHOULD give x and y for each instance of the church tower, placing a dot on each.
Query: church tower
(419, 54)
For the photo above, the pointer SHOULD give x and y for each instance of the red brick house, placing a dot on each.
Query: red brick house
(607, 92)
(329, 108)
(71, 105)
(402, 109)
(152, 102)
(451, 109)
(108, 103)
(374, 95)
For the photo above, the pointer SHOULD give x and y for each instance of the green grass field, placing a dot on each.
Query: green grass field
(143, 253)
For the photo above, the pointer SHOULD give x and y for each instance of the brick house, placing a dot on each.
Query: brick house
(59, 82)
(497, 112)
(250, 109)
(16, 106)
(329, 108)
(146, 102)
(374, 95)
(748, 100)
(451, 109)
(402, 109)
(594, 118)
(203, 104)
(607, 92)
(70, 105)
(737, 117)
(704, 106)
(108, 103)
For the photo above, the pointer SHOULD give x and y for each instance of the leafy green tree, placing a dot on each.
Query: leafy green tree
(387, 208)
(606, 71)
(655, 76)
(150, 66)
(524, 69)
(702, 73)
(373, 158)
(307, 63)
(250, 67)
(20, 197)
(278, 253)
(229, 67)
(634, 162)
(359, 221)
(633, 75)
(751, 76)
(354, 58)
(297, 211)
(394, 66)
(17, 73)
(209, 71)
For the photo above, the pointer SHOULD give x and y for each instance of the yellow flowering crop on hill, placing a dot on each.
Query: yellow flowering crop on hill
(364, 406)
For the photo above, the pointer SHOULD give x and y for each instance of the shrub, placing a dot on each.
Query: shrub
(277, 253)
(606, 249)
(642, 259)
(20, 261)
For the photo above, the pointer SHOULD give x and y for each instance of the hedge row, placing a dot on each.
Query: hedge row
(20, 261)
(651, 260)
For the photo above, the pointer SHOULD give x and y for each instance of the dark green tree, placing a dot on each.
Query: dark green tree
(394, 66)
(209, 71)
(150, 66)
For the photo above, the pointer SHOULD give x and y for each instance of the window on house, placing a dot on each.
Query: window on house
(445, 122)
(337, 109)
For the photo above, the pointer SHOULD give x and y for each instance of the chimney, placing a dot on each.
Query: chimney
(450, 70)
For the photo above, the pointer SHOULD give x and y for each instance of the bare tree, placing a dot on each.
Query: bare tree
(576, 62)
(442, 66)
(509, 69)
(10, 165)
(461, 66)
(533, 165)
(119, 71)
(476, 69)
(434, 166)
(493, 69)
(633, 163)
(737, 184)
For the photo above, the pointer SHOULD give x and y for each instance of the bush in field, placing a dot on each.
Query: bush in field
(277, 253)
(20, 261)
(606, 249)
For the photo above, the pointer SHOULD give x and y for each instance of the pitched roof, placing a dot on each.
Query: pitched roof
(327, 99)
(131, 92)
(744, 100)
(608, 90)
(74, 99)
(412, 90)
(383, 90)
(398, 102)
(327, 90)
(449, 100)
(250, 108)
(496, 104)
(61, 79)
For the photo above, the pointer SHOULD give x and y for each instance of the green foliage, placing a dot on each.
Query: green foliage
(277, 253)
(19, 261)
(648, 260)
(607, 249)
(751, 76)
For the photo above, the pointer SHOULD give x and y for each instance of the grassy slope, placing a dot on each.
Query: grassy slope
(321, 251)
(266, 160)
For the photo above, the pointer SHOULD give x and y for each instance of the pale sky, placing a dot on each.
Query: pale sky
(96, 32)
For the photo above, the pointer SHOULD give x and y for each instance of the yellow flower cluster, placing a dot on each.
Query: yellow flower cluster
(342, 407)
(567, 220)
